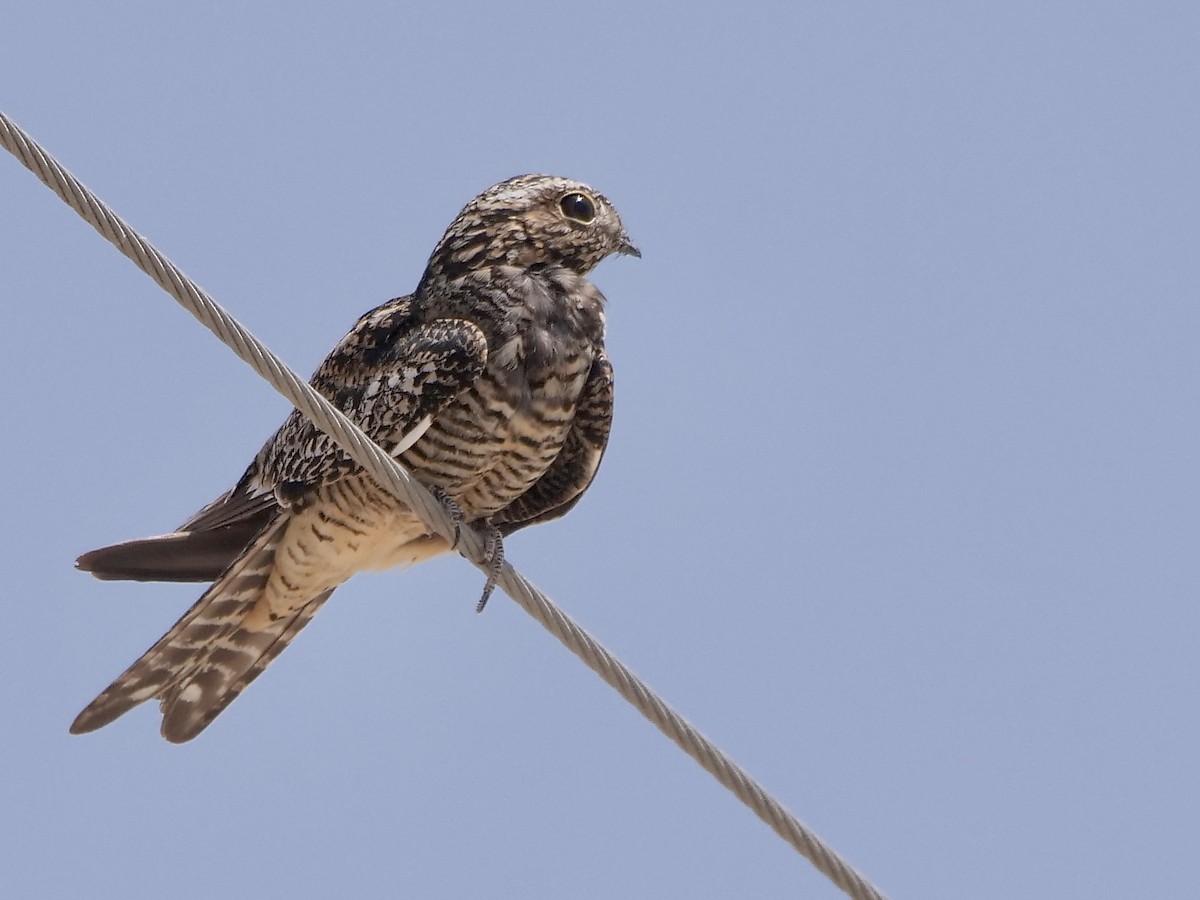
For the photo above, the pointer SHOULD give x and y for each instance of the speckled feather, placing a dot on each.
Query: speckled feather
(490, 383)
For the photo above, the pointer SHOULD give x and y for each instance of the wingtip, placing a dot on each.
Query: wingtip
(95, 563)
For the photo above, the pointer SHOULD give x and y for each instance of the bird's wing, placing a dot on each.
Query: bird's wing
(236, 628)
(390, 373)
(561, 486)
(180, 556)
(199, 550)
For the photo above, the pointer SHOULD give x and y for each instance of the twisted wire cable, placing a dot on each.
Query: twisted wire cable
(391, 475)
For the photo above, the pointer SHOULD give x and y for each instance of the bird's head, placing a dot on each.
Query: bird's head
(530, 221)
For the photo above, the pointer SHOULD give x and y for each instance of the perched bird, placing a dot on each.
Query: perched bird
(490, 383)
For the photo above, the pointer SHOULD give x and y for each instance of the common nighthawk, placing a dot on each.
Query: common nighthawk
(490, 383)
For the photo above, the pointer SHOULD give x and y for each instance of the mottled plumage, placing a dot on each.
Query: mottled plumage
(490, 384)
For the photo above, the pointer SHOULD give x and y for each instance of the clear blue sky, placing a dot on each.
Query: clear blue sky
(901, 508)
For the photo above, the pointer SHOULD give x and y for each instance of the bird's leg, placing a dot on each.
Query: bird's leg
(453, 510)
(493, 547)
(494, 553)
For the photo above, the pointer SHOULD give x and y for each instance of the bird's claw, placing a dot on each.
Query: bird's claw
(494, 553)
(493, 550)
(453, 510)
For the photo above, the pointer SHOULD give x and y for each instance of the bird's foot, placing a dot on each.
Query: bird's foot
(494, 553)
(453, 510)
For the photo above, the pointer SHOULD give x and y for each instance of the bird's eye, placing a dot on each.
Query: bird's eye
(578, 207)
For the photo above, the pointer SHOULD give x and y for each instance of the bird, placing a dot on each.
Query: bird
(490, 383)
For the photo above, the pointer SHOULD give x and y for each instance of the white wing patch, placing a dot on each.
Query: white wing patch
(413, 436)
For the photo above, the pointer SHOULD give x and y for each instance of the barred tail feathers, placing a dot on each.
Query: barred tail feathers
(199, 641)
(235, 661)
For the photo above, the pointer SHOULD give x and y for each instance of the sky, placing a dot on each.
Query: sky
(902, 500)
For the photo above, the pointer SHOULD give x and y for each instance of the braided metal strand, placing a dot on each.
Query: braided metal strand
(392, 476)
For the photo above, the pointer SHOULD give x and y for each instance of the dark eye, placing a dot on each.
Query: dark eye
(578, 207)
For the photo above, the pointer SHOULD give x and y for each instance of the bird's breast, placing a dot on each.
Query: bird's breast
(496, 439)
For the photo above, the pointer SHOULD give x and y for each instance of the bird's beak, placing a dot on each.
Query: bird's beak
(626, 247)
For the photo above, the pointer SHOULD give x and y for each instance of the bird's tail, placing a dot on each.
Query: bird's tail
(219, 646)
